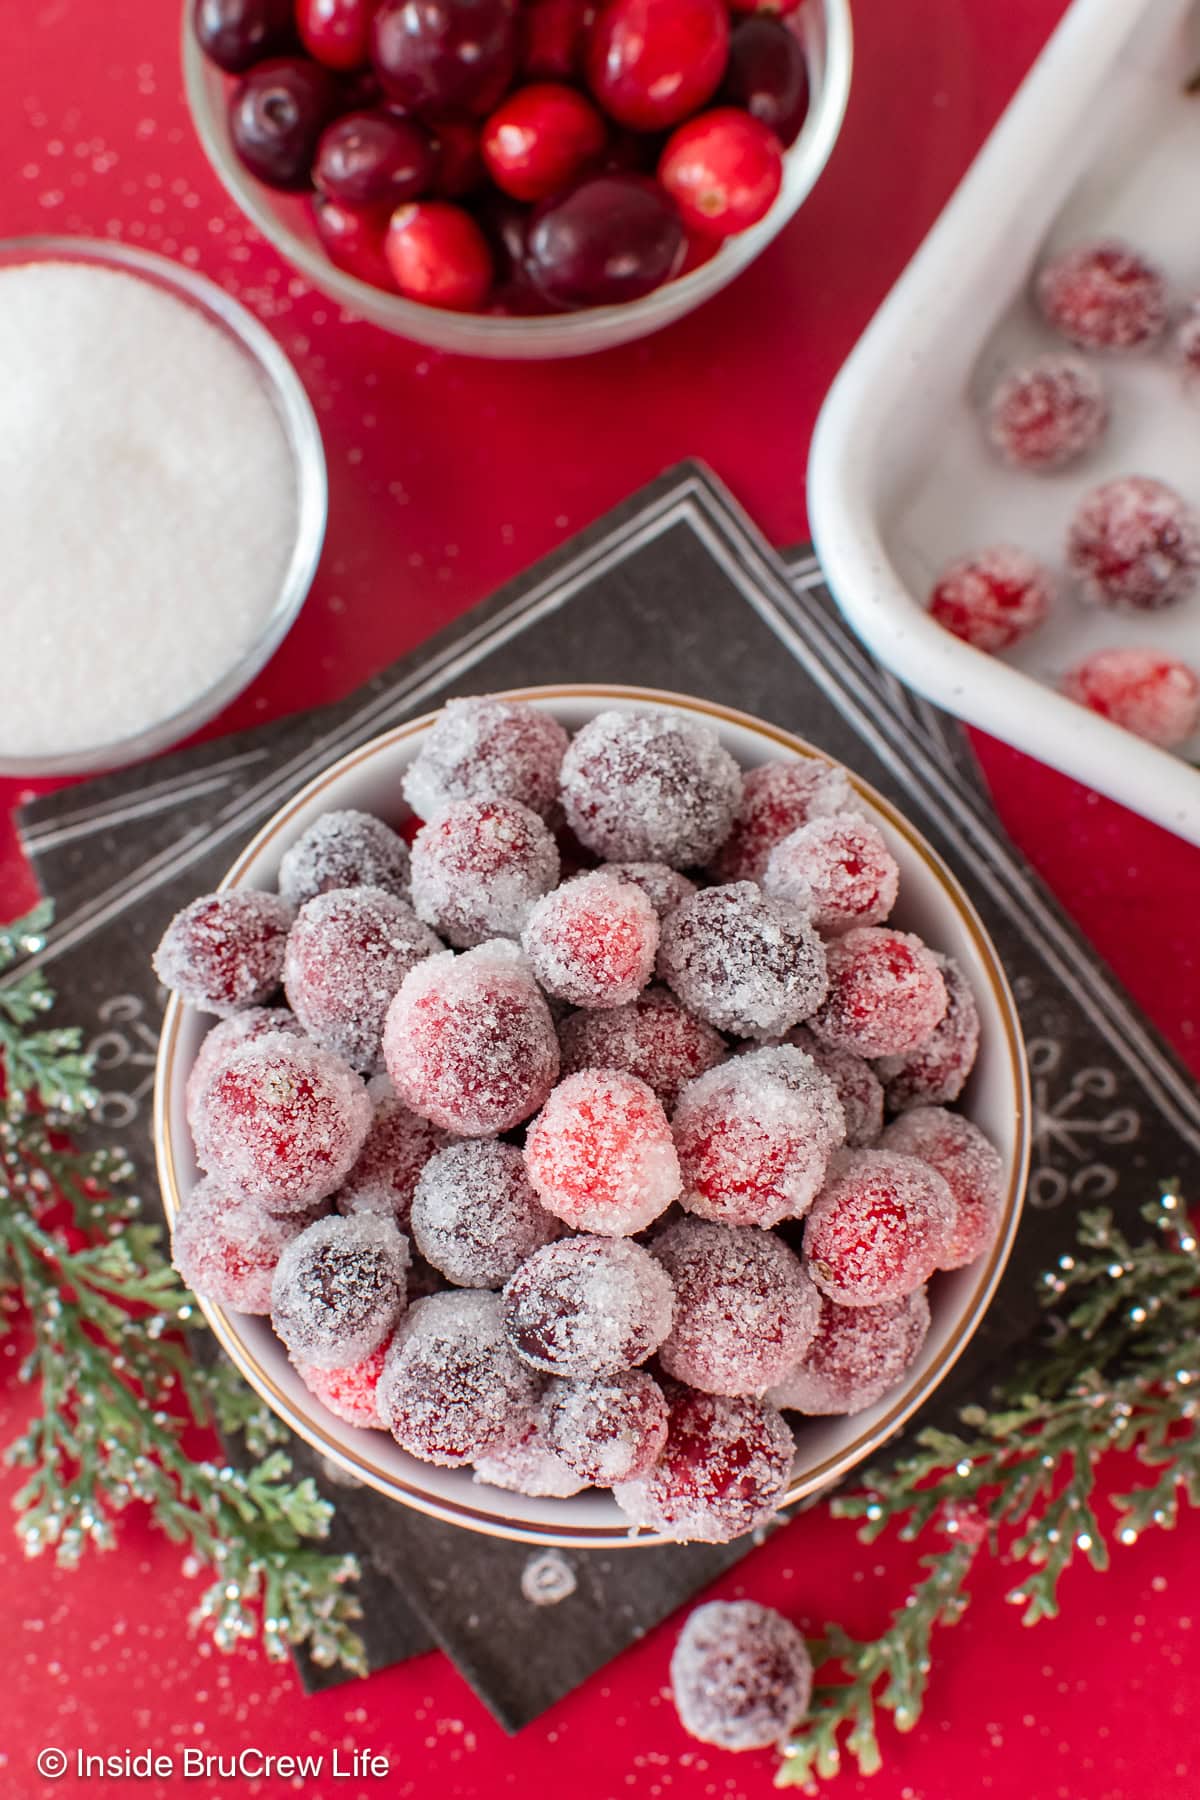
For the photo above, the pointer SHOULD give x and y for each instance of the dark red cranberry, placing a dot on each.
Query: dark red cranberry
(767, 75)
(277, 114)
(439, 255)
(723, 170)
(235, 34)
(541, 140)
(651, 63)
(336, 32)
(553, 38)
(460, 167)
(374, 159)
(353, 237)
(612, 238)
(436, 54)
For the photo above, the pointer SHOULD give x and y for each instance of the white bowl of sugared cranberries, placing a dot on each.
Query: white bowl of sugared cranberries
(518, 178)
(590, 1116)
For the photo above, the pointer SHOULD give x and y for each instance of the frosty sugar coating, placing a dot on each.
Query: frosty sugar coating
(937, 1070)
(1047, 413)
(744, 962)
(226, 1247)
(650, 787)
(601, 1156)
(226, 1036)
(1103, 295)
(529, 1464)
(755, 1135)
(344, 849)
(777, 798)
(475, 1216)
(282, 1121)
(663, 886)
(654, 1038)
(723, 1471)
(880, 1227)
(886, 993)
(838, 870)
(338, 1290)
(347, 953)
(485, 748)
(741, 1675)
(592, 942)
(469, 1042)
(609, 1429)
(1134, 545)
(858, 1087)
(745, 1310)
(396, 1148)
(993, 598)
(1157, 697)
(453, 1389)
(856, 1356)
(971, 1166)
(225, 951)
(349, 1393)
(588, 1306)
(479, 866)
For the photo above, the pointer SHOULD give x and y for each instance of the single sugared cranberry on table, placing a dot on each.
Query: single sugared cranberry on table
(529, 1465)
(436, 55)
(588, 1306)
(344, 849)
(347, 954)
(224, 1038)
(374, 159)
(654, 1038)
(723, 1471)
(1103, 296)
(353, 239)
(277, 113)
(460, 168)
(723, 170)
(439, 255)
(651, 63)
(1157, 697)
(856, 1355)
(452, 1387)
(475, 1216)
(741, 1676)
(745, 1310)
(755, 1136)
(777, 798)
(592, 942)
(936, 1071)
(971, 1166)
(485, 748)
(552, 38)
(886, 993)
(479, 867)
(601, 1156)
(879, 1228)
(235, 34)
(395, 1151)
(338, 1290)
(607, 1430)
(349, 1393)
(336, 32)
(226, 1247)
(1134, 543)
(225, 951)
(541, 139)
(836, 868)
(767, 74)
(610, 239)
(744, 962)
(994, 598)
(649, 785)
(858, 1087)
(1049, 413)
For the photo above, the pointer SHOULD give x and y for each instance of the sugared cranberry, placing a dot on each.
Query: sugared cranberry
(475, 1216)
(396, 1149)
(613, 238)
(651, 63)
(588, 1306)
(1103, 296)
(374, 159)
(936, 1071)
(600, 1154)
(607, 1430)
(993, 599)
(353, 237)
(338, 1290)
(438, 255)
(220, 1043)
(347, 954)
(227, 1247)
(479, 867)
(723, 171)
(886, 993)
(859, 1088)
(746, 963)
(235, 34)
(879, 1229)
(452, 1387)
(664, 887)
(530, 1465)
(553, 37)
(767, 75)
(857, 1354)
(724, 1469)
(437, 54)
(349, 1393)
(1134, 543)
(485, 748)
(344, 850)
(276, 115)
(225, 951)
(1050, 413)
(838, 870)
(592, 941)
(1155, 696)
(971, 1167)
(541, 139)
(777, 798)
(649, 785)
(653, 1038)
(741, 1676)
(460, 160)
(336, 32)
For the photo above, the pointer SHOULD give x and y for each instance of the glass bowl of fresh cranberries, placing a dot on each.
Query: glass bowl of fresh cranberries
(518, 178)
(590, 1116)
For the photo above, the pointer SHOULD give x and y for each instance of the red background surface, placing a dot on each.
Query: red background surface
(446, 477)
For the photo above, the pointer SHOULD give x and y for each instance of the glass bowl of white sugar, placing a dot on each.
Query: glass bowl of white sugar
(162, 503)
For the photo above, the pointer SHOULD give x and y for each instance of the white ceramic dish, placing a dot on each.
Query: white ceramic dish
(1100, 139)
(285, 220)
(931, 903)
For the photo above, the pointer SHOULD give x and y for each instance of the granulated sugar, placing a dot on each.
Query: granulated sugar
(147, 506)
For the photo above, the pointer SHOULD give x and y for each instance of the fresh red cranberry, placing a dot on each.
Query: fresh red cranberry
(651, 63)
(235, 34)
(613, 238)
(439, 255)
(723, 171)
(541, 139)
(336, 32)
(553, 38)
(437, 54)
(353, 238)
(374, 159)
(767, 75)
(277, 114)
(460, 160)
